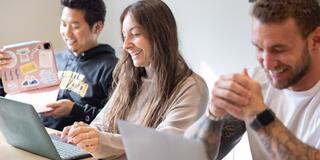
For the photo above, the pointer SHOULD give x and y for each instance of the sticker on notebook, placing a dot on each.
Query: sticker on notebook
(24, 54)
(12, 86)
(45, 59)
(13, 59)
(28, 68)
(30, 81)
(33, 52)
(17, 73)
(11, 77)
(47, 76)
(4, 76)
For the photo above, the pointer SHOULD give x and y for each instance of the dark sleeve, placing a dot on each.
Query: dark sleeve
(207, 131)
(232, 131)
(106, 81)
(85, 113)
(219, 137)
(2, 93)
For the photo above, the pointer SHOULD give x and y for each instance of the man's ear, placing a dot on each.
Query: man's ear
(315, 39)
(97, 27)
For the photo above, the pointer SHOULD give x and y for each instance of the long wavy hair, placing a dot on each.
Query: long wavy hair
(169, 67)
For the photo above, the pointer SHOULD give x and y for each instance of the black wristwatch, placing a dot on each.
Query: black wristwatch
(263, 119)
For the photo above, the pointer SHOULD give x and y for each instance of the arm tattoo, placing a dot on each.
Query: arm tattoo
(283, 145)
(210, 133)
(232, 132)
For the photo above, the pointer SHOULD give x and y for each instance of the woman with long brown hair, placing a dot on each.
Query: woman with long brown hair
(154, 85)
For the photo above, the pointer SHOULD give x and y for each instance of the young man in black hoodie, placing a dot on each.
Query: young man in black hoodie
(85, 68)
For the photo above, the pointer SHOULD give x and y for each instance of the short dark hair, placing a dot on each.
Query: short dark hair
(95, 10)
(306, 13)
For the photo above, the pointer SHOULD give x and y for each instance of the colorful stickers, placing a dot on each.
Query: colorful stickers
(32, 66)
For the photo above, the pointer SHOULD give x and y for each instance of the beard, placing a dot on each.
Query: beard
(296, 72)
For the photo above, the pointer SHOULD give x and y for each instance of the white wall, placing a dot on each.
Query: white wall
(112, 33)
(215, 35)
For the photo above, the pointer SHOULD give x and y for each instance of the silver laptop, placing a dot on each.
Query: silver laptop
(142, 143)
(21, 126)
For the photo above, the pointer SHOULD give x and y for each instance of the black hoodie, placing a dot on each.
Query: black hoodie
(85, 80)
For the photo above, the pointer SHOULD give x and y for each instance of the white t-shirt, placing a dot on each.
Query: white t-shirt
(298, 111)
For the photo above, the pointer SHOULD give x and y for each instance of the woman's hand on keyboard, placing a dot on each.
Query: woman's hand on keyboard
(83, 135)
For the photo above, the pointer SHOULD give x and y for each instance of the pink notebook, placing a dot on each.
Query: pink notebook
(31, 77)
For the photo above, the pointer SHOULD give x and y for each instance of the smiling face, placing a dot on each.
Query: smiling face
(76, 32)
(282, 52)
(136, 42)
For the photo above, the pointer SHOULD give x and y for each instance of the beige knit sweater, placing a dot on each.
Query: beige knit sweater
(185, 109)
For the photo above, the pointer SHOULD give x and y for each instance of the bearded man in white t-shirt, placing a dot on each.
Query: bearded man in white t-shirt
(278, 104)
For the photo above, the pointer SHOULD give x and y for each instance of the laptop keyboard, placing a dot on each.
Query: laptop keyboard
(67, 151)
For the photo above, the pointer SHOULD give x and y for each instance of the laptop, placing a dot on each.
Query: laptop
(22, 128)
(142, 143)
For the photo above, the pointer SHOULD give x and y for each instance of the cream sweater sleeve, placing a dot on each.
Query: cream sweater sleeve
(110, 145)
(185, 109)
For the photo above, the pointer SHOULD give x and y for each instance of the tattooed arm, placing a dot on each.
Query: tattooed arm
(226, 132)
(283, 145)
(232, 96)
(233, 129)
(207, 131)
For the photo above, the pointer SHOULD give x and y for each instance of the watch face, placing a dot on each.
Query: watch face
(265, 117)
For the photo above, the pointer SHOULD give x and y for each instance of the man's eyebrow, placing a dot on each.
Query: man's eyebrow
(73, 22)
(279, 46)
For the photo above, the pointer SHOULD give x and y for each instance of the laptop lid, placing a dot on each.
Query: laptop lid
(21, 126)
(145, 143)
(31, 73)
(32, 66)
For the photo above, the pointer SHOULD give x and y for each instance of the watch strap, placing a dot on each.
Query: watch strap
(263, 119)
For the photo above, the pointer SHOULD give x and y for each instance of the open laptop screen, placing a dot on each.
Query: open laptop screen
(22, 128)
(146, 143)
